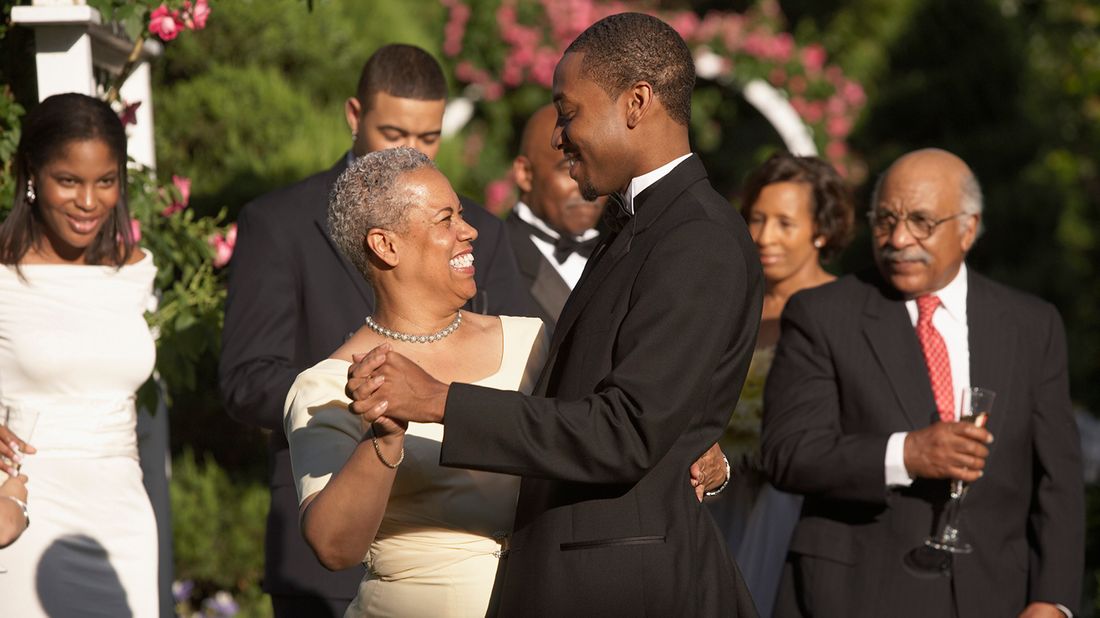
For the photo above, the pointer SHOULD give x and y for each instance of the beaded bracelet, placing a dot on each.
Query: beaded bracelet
(22, 507)
(711, 494)
(378, 451)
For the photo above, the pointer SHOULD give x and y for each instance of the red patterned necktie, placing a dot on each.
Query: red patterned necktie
(935, 357)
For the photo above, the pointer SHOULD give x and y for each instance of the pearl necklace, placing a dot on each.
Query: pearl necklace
(392, 334)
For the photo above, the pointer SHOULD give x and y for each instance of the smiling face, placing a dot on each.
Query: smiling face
(927, 184)
(392, 121)
(590, 131)
(781, 222)
(76, 194)
(435, 250)
(542, 175)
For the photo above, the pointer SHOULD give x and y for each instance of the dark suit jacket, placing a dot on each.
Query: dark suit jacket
(293, 299)
(547, 289)
(848, 372)
(646, 364)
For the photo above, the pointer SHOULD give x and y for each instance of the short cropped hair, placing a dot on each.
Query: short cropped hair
(403, 71)
(368, 195)
(832, 208)
(971, 200)
(622, 49)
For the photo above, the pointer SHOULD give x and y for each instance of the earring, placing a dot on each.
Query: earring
(818, 243)
(30, 191)
(354, 135)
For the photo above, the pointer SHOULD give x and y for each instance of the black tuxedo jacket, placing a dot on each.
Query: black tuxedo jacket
(645, 367)
(548, 291)
(848, 372)
(293, 299)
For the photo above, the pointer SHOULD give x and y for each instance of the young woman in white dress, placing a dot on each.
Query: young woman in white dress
(74, 346)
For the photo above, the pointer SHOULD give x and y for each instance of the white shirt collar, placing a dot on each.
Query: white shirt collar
(523, 211)
(952, 295)
(641, 183)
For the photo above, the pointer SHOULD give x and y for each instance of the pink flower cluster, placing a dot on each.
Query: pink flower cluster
(223, 245)
(168, 23)
(748, 45)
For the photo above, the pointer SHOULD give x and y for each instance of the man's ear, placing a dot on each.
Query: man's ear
(970, 233)
(523, 173)
(352, 111)
(380, 245)
(639, 101)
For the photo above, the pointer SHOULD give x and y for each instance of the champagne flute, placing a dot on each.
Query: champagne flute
(934, 557)
(976, 405)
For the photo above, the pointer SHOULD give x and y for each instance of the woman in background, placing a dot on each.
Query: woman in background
(800, 214)
(74, 347)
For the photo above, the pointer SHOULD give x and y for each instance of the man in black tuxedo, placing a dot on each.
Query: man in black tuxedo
(293, 299)
(552, 226)
(645, 364)
(860, 408)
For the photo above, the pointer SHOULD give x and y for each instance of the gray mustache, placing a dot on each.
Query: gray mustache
(909, 254)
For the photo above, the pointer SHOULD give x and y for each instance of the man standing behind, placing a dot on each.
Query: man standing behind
(551, 227)
(862, 401)
(645, 365)
(293, 299)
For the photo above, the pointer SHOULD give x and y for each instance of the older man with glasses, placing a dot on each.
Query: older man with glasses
(861, 410)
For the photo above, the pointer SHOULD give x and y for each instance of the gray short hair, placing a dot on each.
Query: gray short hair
(367, 195)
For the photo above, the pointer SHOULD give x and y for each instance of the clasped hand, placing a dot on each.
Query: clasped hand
(947, 451)
(383, 384)
(12, 449)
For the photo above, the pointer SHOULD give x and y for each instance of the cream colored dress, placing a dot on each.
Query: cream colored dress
(74, 346)
(436, 550)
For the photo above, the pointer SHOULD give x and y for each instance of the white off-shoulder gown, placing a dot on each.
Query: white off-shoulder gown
(74, 346)
(438, 546)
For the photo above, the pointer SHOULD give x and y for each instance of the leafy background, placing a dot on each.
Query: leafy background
(254, 101)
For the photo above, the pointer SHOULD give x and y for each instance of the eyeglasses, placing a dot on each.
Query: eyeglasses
(920, 226)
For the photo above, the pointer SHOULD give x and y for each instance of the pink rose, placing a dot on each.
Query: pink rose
(813, 58)
(164, 23)
(194, 17)
(836, 150)
(224, 245)
(838, 127)
(135, 230)
(183, 185)
(497, 194)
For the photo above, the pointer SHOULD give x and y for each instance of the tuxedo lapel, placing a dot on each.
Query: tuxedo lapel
(992, 340)
(648, 207)
(320, 220)
(892, 338)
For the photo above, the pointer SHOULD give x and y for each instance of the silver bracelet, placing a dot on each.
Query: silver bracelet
(711, 494)
(378, 451)
(22, 507)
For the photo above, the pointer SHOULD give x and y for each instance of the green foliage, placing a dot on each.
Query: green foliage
(218, 531)
(255, 100)
(10, 113)
(188, 319)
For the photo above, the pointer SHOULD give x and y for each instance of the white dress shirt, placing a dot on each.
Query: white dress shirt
(573, 266)
(641, 183)
(950, 321)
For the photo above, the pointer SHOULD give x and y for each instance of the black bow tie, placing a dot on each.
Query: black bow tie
(615, 213)
(564, 245)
